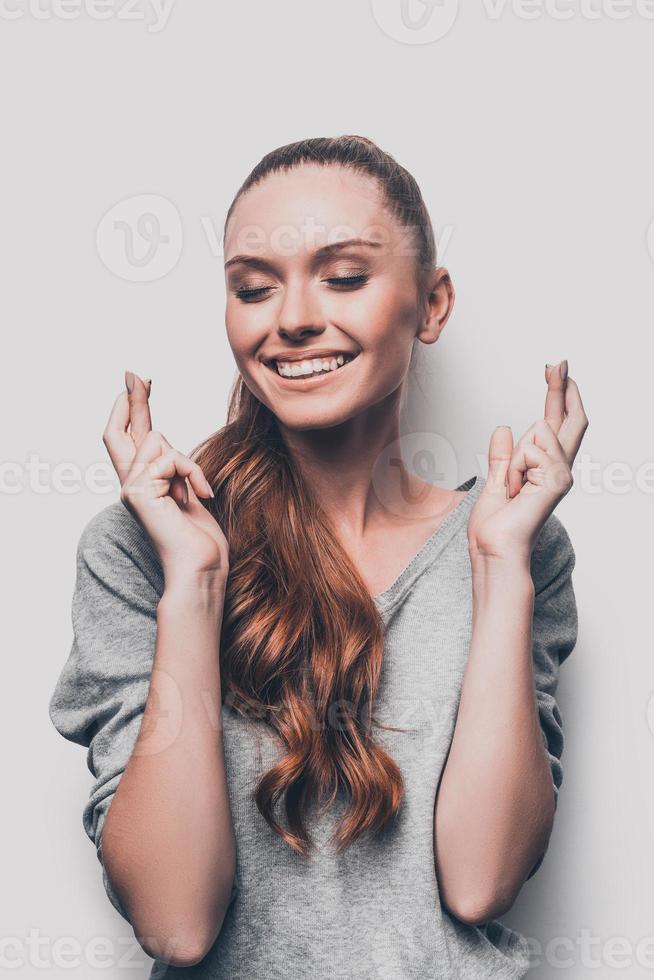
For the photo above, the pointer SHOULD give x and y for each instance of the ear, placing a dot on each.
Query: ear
(438, 306)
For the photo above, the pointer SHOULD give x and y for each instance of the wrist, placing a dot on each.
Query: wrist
(205, 588)
(512, 571)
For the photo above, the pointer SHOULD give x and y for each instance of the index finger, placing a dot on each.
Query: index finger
(117, 440)
(139, 409)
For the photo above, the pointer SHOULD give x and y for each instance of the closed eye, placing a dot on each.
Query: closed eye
(250, 295)
(349, 280)
(247, 295)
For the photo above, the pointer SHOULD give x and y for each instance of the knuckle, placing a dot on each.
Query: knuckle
(567, 480)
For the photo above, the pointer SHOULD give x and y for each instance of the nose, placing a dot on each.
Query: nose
(299, 315)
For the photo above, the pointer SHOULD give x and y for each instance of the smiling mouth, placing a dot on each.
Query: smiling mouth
(311, 367)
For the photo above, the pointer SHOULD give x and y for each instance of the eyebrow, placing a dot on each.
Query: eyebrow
(320, 253)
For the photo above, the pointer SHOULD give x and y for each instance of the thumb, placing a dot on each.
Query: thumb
(499, 457)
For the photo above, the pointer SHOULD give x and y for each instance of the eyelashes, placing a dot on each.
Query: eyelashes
(249, 294)
(337, 282)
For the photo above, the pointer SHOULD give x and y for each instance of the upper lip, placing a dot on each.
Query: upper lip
(308, 355)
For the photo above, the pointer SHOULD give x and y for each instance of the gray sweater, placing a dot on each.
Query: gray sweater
(375, 911)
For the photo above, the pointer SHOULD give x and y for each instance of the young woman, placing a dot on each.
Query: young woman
(318, 691)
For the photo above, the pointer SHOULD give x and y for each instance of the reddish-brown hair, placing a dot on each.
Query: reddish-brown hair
(302, 640)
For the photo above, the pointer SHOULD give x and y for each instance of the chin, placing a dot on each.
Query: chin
(304, 421)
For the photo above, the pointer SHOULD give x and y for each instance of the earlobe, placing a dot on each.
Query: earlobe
(429, 331)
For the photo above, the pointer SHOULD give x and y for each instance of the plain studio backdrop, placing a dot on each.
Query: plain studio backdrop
(126, 131)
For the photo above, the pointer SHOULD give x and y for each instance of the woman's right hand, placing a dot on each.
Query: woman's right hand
(161, 488)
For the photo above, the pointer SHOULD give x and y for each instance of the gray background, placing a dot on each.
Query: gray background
(530, 136)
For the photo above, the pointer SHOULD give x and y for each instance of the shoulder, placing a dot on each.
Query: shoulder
(553, 556)
(113, 523)
(555, 621)
(113, 543)
(114, 528)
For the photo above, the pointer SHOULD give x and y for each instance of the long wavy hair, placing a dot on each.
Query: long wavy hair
(302, 640)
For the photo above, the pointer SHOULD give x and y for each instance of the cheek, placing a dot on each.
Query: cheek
(245, 339)
(386, 323)
(243, 335)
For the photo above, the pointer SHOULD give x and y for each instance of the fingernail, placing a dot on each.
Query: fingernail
(129, 381)
(147, 381)
(563, 368)
(210, 489)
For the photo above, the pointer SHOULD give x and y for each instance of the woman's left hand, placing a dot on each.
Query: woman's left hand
(526, 482)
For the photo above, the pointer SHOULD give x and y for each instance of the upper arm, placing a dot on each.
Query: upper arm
(101, 692)
(554, 636)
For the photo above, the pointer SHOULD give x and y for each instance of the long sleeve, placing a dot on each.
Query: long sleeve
(554, 636)
(101, 692)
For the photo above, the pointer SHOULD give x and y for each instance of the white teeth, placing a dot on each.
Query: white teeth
(295, 369)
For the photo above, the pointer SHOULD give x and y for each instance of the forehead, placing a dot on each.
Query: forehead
(306, 207)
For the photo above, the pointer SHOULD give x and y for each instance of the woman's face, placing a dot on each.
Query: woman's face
(304, 293)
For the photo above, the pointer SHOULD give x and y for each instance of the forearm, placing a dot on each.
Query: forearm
(168, 840)
(495, 804)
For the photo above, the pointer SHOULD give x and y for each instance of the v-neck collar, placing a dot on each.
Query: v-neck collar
(443, 533)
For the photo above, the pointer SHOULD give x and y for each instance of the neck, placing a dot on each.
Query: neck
(356, 471)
